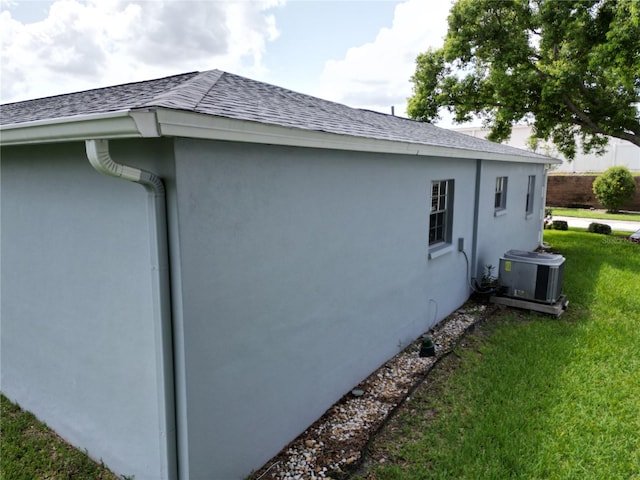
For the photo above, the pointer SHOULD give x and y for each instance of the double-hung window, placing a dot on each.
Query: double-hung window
(531, 188)
(500, 202)
(441, 215)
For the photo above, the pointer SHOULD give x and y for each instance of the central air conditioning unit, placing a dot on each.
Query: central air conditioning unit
(532, 276)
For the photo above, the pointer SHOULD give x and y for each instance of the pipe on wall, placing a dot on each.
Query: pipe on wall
(100, 158)
(476, 223)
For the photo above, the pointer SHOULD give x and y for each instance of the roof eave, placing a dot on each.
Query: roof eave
(144, 123)
(110, 125)
(193, 125)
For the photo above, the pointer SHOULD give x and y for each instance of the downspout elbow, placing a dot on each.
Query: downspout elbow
(100, 159)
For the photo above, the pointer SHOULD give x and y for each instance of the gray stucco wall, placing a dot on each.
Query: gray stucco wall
(302, 271)
(77, 339)
(513, 229)
(295, 273)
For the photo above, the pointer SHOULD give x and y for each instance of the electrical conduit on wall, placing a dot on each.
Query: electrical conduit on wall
(99, 157)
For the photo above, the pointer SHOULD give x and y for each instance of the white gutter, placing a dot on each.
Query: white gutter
(98, 155)
(145, 123)
(111, 125)
(176, 123)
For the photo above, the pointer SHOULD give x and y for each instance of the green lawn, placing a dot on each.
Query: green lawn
(587, 213)
(32, 451)
(528, 396)
(534, 397)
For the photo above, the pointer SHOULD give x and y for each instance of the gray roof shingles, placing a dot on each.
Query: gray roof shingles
(227, 95)
(100, 100)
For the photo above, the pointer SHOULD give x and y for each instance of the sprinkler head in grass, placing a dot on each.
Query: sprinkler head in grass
(427, 349)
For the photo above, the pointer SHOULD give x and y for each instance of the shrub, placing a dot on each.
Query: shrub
(614, 187)
(560, 225)
(599, 228)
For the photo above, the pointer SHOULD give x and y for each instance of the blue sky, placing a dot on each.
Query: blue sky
(314, 31)
(358, 52)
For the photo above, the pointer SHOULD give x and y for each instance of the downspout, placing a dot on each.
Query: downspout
(100, 159)
(543, 195)
(476, 223)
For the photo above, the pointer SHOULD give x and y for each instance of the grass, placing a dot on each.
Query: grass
(30, 450)
(527, 396)
(591, 174)
(587, 213)
(530, 396)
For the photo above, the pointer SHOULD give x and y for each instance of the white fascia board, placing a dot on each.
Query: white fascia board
(112, 125)
(176, 123)
(147, 123)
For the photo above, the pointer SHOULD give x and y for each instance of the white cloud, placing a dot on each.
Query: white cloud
(88, 43)
(377, 75)
(158, 28)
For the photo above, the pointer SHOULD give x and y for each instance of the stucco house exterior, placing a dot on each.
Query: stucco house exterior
(281, 248)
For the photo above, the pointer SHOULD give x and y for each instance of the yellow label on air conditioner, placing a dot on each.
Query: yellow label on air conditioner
(507, 266)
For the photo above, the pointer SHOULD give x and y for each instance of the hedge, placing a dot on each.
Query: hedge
(602, 228)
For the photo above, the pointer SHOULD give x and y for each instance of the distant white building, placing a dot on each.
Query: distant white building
(619, 152)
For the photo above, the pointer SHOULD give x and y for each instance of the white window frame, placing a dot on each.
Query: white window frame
(530, 200)
(500, 197)
(441, 213)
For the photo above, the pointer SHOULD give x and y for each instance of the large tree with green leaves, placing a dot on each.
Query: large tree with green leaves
(569, 68)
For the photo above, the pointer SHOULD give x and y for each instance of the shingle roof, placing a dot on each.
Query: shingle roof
(227, 95)
(99, 100)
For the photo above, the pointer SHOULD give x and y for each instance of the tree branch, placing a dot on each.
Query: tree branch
(585, 121)
(635, 139)
(588, 94)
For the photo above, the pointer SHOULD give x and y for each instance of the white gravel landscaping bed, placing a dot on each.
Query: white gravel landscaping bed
(333, 445)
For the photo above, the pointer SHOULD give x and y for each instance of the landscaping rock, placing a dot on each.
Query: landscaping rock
(334, 444)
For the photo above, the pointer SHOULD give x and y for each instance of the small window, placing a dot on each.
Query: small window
(500, 202)
(531, 187)
(440, 218)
